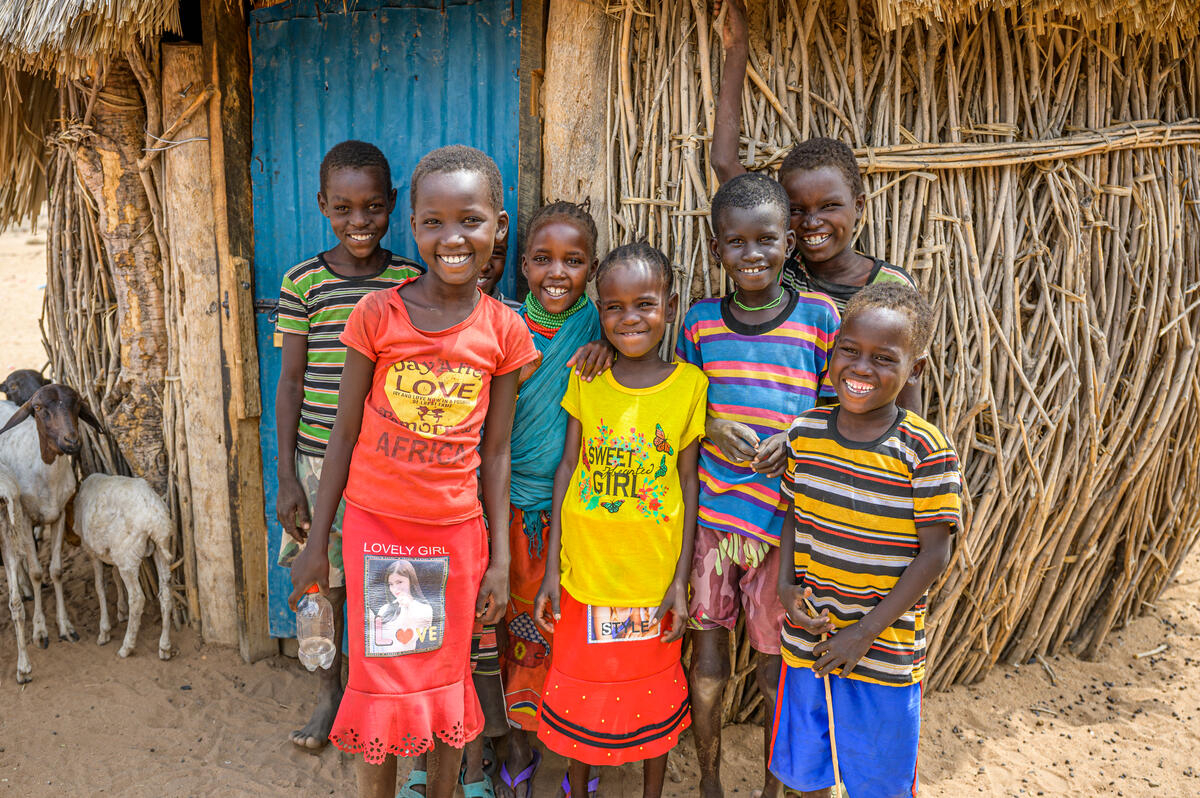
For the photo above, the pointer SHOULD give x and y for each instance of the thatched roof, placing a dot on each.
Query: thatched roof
(42, 41)
(1163, 19)
(69, 37)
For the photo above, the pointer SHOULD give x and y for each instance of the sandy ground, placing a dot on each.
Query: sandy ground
(205, 723)
(23, 275)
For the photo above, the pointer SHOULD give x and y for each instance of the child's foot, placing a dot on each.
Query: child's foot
(515, 779)
(315, 733)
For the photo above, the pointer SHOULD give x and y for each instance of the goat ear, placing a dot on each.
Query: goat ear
(22, 413)
(86, 414)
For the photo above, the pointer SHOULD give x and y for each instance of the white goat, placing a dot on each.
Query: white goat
(120, 520)
(16, 546)
(46, 478)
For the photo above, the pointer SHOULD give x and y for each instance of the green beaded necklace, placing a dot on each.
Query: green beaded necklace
(544, 318)
(773, 303)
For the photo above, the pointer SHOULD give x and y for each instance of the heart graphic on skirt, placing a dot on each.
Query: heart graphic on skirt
(404, 635)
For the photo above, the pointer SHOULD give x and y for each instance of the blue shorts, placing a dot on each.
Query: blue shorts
(876, 727)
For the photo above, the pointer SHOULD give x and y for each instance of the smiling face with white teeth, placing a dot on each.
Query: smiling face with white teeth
(358, 203)
(752, 244)
(824, 216)
(873, 359)
(455, 225)
(558, 262)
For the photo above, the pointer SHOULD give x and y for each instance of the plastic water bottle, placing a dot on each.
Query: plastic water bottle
(314, 630)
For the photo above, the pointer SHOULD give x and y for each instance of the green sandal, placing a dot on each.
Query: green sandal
(416, 778)
(478, 789)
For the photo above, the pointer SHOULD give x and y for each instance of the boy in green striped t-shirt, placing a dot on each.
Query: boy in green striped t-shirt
(316, 298)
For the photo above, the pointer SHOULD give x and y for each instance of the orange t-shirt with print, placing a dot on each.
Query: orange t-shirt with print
(417, 452)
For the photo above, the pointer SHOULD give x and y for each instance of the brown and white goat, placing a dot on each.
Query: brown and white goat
(36, 454)
(16, 546)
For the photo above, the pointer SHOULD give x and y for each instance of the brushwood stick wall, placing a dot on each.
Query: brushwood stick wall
(1042, 183)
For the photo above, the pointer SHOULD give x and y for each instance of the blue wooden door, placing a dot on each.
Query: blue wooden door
(406, 76)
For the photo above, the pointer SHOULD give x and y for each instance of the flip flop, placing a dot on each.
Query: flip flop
(592, 787)
(416, 778)
(524, 777)
(478, 789)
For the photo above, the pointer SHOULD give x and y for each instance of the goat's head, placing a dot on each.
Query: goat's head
(22, 384)
(56, 409)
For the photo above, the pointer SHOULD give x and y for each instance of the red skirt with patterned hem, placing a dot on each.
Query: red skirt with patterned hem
(410, 608)
(615, 692)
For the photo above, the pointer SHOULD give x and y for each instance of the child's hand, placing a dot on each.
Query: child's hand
(676, 603)
(736, 441)
(545, 607)
(772, 455)
(291, 509)
(311, 567)
(592, 359)
(842, 650)
(794, 599)
(733, 32)
(493, 595)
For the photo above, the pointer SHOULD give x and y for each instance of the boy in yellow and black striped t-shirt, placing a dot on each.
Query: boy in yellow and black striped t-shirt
(875, 495)
(315, 299)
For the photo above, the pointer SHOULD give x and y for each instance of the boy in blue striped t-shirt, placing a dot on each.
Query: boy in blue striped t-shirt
(764, 349)
(315, 300)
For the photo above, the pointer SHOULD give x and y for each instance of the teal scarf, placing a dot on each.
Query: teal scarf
(540, 423)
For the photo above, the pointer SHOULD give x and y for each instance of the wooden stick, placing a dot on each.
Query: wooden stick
(837, 773)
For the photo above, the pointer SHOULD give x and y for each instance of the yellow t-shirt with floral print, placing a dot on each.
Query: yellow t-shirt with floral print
(622, 516)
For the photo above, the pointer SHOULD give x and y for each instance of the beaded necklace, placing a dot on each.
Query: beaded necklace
(773, 303)
(544, 318)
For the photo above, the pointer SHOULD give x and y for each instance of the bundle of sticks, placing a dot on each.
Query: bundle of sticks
(1042, 183)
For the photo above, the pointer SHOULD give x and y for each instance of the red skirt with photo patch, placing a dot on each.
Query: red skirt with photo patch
(607, 703)
(410, 609)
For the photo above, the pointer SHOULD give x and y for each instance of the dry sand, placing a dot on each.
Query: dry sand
(205, 723)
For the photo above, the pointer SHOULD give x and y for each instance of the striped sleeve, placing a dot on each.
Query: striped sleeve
(293, 315)
(687, 349)
(937, 490)
(826, 339)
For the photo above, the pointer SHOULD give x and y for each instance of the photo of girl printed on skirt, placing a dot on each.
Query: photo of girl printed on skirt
(620, 624)
(405, 604)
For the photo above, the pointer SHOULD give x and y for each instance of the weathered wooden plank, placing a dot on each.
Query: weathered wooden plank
(529, 121)
(187, 204)
(578, 35)
(227, 64)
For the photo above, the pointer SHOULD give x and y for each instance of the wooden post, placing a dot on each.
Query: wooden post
(187, 203)
(227, 67)
(574, 99)
(107, 164)
(529, 121)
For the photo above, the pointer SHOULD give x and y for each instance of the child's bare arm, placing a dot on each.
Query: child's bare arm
(845, 648)
(495, 470)
(727, 125)
(545, 606)
(676, 599)
(791, 595)
(312, 564)
(291, 508)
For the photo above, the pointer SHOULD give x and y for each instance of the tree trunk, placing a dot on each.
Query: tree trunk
(107, 164)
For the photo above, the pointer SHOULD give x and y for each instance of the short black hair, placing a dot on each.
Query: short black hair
(901, 298)
(639, 252)
(749, 190)
(459, 158)
(354, 154)
(817, 153)
(578, 214)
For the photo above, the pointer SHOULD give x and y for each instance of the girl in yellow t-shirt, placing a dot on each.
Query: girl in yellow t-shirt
(621, 528)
